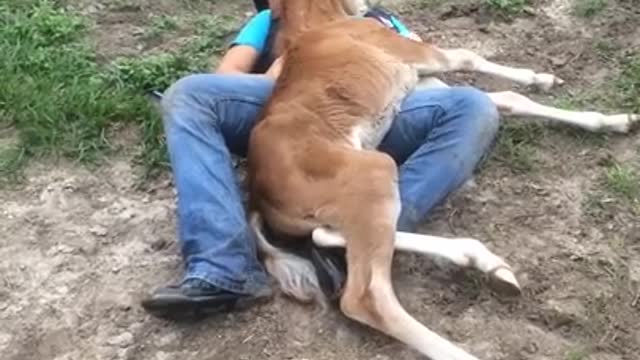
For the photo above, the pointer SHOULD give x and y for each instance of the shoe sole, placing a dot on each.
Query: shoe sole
(184, 308)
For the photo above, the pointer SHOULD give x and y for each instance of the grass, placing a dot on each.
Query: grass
(577, 355)
(588, 8)
(517, 144)
(628, 83)
(58, 101)
(618, 187)
(606, 50)
(619, 95)
(161, 25)
(51, 88)
(623, 182)
(622, 93)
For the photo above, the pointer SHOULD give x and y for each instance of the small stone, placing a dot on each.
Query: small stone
(159, 244)
(531, 348)
(576, 257)
(5, 340)
(167, 340)
(161, 355)
(138, 31)
(98, 231)
(69, 188)
(463, 22)
(381, 357)
(60, 249)
(123, 340)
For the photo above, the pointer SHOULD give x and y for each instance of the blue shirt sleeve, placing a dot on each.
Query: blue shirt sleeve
(390, 20)
(255, 32)
(400, 27)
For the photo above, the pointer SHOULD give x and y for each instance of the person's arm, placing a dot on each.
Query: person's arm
(390, 20)
(276, 68)
(245, 49)
(239, 59)
(403, 30)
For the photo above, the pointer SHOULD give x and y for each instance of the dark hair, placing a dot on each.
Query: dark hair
(261, 4)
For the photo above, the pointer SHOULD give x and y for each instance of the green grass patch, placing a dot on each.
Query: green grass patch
(51, 89)
(618, 187)
(623, 182)
(517, 145)
(581, 100)
(58, 101)
(621, 94)
(577, 354)
(628, 83)
(588, 8)
(161, 25)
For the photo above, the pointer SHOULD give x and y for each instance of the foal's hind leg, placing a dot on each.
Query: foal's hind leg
(462, 252)
(367, 217)
(512, 103)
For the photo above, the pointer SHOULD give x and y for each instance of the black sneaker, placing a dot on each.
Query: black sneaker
(196, 298)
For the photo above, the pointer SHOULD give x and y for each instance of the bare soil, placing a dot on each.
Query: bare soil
(82, 246)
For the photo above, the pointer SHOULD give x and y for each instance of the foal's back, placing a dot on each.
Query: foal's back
(337, 95)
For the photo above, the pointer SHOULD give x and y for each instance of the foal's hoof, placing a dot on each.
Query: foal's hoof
(503, 281)
(546, 81)
(622, 123)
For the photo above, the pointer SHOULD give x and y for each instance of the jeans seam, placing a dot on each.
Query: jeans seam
(420, 107)
(439, 111)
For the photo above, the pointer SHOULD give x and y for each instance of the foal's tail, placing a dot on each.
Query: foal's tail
(296, 275)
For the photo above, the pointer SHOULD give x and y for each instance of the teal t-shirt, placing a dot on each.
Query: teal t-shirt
(255, 32)
(258, 33)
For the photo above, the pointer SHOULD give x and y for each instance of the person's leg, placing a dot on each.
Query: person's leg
(438, 138)
(206, 117)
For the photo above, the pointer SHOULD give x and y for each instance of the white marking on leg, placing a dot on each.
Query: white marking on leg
(512, 103)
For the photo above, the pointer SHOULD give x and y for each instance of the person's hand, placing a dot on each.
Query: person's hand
(414, 36)
(276, 68)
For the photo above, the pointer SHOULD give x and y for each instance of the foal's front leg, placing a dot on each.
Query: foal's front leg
(429, 59)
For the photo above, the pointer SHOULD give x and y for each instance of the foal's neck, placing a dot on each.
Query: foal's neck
(297, 16)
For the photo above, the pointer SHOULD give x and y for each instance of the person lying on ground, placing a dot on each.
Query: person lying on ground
(438, 138)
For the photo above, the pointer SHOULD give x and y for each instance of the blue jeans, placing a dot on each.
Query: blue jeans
(438, 138)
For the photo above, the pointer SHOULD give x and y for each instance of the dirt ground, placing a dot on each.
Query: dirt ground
(82, 246)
